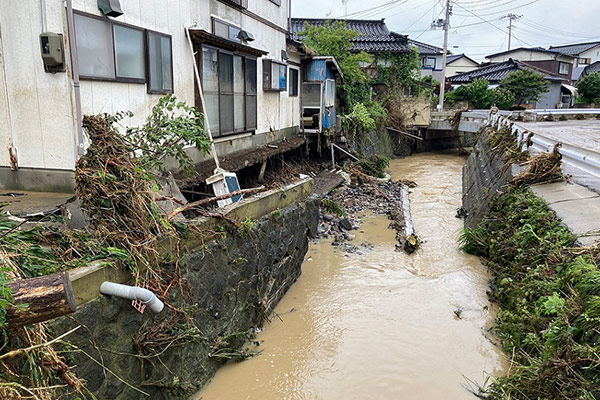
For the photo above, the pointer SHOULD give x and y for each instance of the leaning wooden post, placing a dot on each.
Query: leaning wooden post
(46, 297)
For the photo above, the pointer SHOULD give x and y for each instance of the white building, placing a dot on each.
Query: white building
(585, 54)
(126, 63)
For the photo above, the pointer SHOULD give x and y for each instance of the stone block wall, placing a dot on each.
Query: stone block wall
(232, 283)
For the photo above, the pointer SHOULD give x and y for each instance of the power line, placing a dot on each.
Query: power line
(503, 11)
(418, 19)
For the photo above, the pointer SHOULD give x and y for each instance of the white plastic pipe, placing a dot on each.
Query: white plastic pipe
(133, 293)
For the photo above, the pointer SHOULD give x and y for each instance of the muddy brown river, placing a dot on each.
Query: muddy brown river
(380, 325)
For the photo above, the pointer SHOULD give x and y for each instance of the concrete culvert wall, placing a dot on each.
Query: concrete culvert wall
(232, 284)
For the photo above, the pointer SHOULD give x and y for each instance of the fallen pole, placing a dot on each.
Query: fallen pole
(40, 299)
(411, 241)
(405, 133)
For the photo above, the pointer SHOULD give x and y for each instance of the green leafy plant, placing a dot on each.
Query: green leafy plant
(171, 127)
(375, 165)
(589, 88)
(526, 84)
(333, 207)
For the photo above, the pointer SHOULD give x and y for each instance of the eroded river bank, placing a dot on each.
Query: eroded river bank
(380, 323)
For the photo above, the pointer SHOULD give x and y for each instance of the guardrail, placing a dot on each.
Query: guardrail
(583, 159)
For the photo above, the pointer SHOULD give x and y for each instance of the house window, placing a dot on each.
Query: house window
(428, 62)
(329, 93)
(274, 75)
(129, 52)
(563, 68)
(583, 61)
(94, 47)
(294, 74)
(229, 84)
(112, 51)
(160, 70)
(225, 30)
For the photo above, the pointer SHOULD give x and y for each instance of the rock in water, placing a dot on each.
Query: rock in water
(345, 224)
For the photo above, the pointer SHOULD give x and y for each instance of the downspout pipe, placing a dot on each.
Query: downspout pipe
(75, 76)
(132, 293)
(43, 15)
(213, 150)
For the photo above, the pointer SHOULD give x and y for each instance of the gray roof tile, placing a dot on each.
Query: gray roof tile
(574, 49)
(374, 35)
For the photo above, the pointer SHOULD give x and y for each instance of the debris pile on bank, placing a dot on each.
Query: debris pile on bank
(344, 208)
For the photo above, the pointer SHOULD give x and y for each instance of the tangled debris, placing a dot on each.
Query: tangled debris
(544, 167)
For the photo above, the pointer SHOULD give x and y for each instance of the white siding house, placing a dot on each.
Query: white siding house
(127, 63)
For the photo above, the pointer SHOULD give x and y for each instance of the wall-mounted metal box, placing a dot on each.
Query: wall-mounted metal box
(52, 49)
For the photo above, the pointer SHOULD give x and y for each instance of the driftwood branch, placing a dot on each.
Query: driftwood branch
(212, 200)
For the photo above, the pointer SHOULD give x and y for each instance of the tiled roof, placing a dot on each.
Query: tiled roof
(574, 49)
(537, 49)
(426, 49)
(374, 34)
(495, 72)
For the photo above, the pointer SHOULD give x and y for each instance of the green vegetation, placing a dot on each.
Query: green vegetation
(549, 298)
(479, 96)
(333, 207)
(589, 88)
(374, 165)
(335, 39)
(172, 126)
(525, 84)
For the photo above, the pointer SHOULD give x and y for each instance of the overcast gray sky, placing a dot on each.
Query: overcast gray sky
(544, 22)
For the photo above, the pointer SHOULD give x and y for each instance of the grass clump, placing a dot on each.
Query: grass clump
(374, 166)
(549, 298)
(333, 207)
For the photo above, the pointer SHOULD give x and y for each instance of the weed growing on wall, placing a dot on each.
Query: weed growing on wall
(549, 298)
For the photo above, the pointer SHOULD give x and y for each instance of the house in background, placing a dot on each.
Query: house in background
(459, 64)
(119, 60)
(430, 58)
(550, 61)
(585, 55)
(495, 72)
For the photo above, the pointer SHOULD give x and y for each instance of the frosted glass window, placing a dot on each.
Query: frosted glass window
(329, 93)
(239, 112)
(129, 50)
(250, 76)
(94, 47)
(226, 72)
(155, 83)
(167, 71)
(250, 112)
(210, 69)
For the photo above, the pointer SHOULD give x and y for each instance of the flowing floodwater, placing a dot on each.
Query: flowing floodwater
(380, 325)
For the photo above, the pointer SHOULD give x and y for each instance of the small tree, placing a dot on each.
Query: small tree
(525, 84)
(502, 98)
(476, 93)
(589, 88)
(335, 39)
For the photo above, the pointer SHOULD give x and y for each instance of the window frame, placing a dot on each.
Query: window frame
(296, 92)
(216, 20)
(560, 65)
(236, 3)
(281, 64)
(146, 55)
(248, 128)
(147, 61)
(424, 63)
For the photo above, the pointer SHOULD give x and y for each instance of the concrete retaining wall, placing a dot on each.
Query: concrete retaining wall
(229, 280)
(484, 176)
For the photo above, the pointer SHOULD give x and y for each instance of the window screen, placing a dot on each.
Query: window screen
(311, 94)
(329, 93)
(129, 51)
(94, 47)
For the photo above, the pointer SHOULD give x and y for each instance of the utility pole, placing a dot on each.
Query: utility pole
(511, 17)
(345, 3)
(443, 82)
